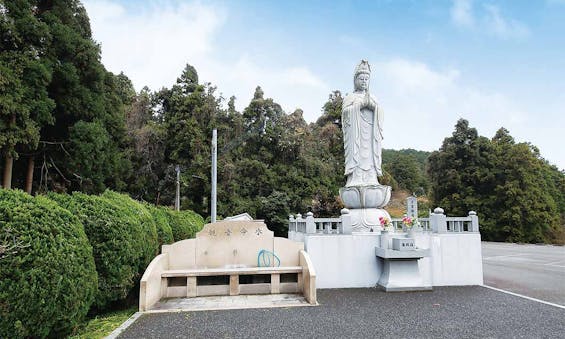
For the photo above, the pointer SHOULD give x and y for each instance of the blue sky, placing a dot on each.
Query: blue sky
(494, 63)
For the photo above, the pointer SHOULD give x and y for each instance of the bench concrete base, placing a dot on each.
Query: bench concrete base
(230, 302)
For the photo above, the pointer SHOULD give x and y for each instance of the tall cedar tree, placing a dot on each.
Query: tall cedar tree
(24, 74)
(83, 149)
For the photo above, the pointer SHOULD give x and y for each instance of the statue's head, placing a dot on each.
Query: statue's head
(362, 75)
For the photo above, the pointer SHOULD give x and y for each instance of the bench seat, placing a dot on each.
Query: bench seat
(230, 271)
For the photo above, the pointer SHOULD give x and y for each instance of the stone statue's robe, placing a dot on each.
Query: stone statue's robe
(362, 140)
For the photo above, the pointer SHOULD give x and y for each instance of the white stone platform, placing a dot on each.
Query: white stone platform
(349, 260)
(230, 302)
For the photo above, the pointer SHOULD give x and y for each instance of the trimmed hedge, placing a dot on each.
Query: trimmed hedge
(47, 273)
(74, 253)
(149, 245)
(161, 218)
(116, 238)
(185, 224)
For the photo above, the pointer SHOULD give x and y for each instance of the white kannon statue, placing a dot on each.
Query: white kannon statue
(362, 123)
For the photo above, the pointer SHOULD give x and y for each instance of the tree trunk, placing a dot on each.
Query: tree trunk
(29, 176)
(8, 171)
(9, 161)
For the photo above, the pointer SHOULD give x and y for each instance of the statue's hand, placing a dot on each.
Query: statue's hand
(369, 103)
(366, 102)
(372, 104)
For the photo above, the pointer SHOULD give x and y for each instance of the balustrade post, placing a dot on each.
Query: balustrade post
(345, 225)
(292, 223)
(310, 224)
(438, 221)
(474, 221)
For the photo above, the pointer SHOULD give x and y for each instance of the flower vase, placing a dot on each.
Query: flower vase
(386, 239)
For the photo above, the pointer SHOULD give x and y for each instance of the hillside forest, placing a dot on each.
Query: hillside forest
(68, 124)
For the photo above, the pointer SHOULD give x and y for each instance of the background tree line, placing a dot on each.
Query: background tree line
(67, 124)
(519, 196)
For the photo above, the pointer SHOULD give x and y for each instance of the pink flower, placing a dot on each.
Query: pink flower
(384, 221)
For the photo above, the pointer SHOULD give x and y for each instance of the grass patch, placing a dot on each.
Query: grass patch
(103, 324)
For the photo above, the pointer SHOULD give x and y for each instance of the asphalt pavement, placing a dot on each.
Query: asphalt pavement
(537, 271)
(445, 312)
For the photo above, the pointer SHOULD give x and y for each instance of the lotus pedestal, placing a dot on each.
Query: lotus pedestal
(365, 204)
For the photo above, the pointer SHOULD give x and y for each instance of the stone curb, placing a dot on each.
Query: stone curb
(115, 333)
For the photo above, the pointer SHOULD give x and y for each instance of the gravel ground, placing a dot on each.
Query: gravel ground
(446, 312)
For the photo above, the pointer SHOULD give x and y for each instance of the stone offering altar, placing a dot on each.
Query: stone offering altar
(400, 255)
(362, 124)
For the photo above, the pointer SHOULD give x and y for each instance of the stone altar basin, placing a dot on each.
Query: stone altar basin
(371, 196)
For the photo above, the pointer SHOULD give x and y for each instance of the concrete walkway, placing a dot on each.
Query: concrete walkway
(448, 312)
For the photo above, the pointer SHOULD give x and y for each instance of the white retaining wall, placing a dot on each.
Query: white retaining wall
(349, 260)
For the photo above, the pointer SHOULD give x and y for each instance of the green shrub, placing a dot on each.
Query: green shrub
(149, 243)
(116, 236)
(185, 224)
(47, 273)
(164, 231)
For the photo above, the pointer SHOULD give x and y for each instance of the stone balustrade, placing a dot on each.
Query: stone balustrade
(436, 223)
(316, 225)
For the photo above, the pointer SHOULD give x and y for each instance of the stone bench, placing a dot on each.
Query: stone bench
(229, 258)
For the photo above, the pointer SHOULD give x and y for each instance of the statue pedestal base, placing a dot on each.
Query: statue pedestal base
(365, 204)
(367, 219)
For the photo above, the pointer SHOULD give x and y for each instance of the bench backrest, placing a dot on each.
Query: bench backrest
(231, 244)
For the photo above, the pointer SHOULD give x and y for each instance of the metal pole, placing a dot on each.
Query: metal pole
(214, 172)
(177, 195)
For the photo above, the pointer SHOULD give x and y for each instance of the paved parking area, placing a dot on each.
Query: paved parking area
(445, 312)
(537, 271)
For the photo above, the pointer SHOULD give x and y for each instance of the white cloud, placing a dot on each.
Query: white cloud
(490, 18)
(292, 87)
(462, 13)
(410, 75)
(153, 45)
(504, 28)
(422, 105)
(302, 76)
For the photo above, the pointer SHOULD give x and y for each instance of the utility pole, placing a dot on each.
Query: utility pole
(261, 130)
(177, 196)
(214, 173)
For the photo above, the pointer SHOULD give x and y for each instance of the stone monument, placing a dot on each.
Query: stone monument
(362, 124)
(412, 207)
